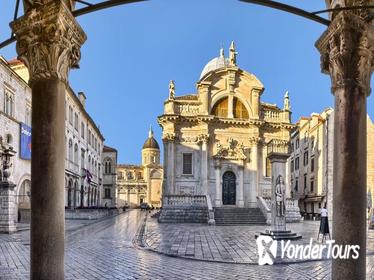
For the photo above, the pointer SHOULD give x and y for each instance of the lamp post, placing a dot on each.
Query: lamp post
(7, 194)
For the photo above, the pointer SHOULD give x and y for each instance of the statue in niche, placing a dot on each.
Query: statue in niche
(280, 196)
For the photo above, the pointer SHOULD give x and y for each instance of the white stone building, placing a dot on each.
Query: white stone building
(84, 141)
(215, 140)
(15, 111)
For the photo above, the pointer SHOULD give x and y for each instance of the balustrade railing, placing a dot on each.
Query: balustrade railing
(187, 109)
(272, 116)
(177, 201)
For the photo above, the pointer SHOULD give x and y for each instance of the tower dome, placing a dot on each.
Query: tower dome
(151, 142)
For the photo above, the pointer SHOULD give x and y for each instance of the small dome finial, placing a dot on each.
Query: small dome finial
(150, 133)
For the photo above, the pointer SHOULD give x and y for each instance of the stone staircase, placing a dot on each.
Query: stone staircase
(238, 216)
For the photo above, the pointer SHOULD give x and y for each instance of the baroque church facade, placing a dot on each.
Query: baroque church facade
(215, 140)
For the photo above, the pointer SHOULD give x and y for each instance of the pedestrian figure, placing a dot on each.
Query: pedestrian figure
(324, 225)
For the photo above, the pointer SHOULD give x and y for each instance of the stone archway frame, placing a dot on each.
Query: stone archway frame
(20, 182)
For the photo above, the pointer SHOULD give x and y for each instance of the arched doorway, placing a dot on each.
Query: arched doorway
(229, 188)
(23, 202)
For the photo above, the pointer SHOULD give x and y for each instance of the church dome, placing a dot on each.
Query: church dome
(221, 61)
(214, 64)
(151, 142)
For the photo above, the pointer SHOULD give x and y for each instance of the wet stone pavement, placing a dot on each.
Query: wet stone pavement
(106, 250)
(232, 244)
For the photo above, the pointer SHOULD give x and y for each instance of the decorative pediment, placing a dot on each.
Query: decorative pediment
(234, 150)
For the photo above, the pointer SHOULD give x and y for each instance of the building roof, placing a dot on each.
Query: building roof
(109, 149)
(131, 166)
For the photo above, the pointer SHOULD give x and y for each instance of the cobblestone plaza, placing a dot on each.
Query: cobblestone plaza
(111, 249)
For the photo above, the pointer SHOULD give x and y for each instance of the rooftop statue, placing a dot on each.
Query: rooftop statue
(171, 90)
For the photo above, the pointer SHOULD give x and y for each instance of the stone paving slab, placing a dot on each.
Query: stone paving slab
(232, 244)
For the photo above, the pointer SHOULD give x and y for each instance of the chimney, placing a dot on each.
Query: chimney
(82, 99)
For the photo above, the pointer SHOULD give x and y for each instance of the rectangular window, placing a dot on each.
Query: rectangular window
(292, 165)
(76, 121)
(187, 164)
(70, 115)
(82, 130)
(82, 158)
(306, 158)
(28, 115)
(312, 165)
(297, 163)
(107, 193)
(268, 168)
(297, 143)
(305, 181)
(296, 185)
(89, 137)
(311, 186)
(9, 102)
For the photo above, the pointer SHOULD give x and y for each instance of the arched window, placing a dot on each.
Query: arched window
(108, 166)
(240, 111)
(70, 150)
(76, 154)
(220, 109)
(24, 195)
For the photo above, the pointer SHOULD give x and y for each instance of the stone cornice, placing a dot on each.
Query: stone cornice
(347, 53)
(212, 119)
(49, 40)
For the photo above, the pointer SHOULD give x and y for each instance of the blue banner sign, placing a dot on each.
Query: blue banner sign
(25, 143)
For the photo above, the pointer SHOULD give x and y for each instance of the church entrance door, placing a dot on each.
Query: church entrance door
(229, 188)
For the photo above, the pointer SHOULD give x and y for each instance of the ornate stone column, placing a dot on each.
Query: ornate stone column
(204, 139)
(255, 186)
(217, 167)
(165, 189)
(48, 42)
(170, 172)
(241, 186)
(347, 56)
(256, 92)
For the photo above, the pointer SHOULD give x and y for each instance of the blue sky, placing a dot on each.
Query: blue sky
(134, 50)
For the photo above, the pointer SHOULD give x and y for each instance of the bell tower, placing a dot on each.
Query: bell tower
(151, 150)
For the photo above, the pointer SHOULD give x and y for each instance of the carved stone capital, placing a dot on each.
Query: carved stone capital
(203, 138)
(169, 137)
(49, 40)
(346, 49)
